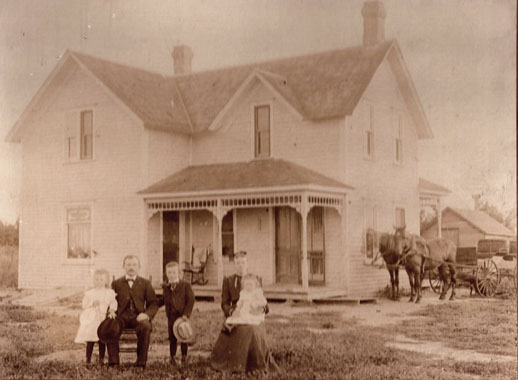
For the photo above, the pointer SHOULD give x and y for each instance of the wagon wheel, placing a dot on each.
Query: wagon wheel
(487, 278)
(435, 281)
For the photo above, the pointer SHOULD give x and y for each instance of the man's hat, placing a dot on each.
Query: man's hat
(183, 330)
(110, 330)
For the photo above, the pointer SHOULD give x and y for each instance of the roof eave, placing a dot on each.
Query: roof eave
(255, 74)
(255, 190)
(13, 136)
(424, 130)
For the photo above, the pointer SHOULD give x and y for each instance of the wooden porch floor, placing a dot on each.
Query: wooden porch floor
(290, 292)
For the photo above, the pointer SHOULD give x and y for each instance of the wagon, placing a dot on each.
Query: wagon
(483, 267)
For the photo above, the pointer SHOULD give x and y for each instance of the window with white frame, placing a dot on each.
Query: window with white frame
(369, 132)
(398, 139)
(371, 238)
(79, 232)
(79, 135)
(400, 217)
(262, 131)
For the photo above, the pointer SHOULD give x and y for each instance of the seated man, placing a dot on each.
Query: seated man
(137, 305)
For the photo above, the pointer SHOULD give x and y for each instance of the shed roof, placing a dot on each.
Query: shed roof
(428, 187)
(481, 221)
(256, 174)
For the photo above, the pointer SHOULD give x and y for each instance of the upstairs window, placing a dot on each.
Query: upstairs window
(86, 135)
(262, 131)
(79, 135)
(398, 140)
(369, 133)
(400, 217)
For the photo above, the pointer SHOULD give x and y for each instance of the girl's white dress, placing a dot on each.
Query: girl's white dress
(248, 300)
(92, 316)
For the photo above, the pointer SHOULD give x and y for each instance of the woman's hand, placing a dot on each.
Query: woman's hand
(95, 303)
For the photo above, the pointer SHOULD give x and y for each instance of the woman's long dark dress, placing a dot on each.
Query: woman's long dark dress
(245, 348)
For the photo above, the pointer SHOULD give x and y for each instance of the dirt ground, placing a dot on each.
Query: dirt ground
(384, 312)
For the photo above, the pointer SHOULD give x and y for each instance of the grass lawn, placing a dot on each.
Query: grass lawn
(305, 345)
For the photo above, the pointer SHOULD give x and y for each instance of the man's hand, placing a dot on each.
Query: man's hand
(111, 314)
(142, 317)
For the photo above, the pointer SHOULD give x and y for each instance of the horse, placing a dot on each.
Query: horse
(390, 256)
(419, 255)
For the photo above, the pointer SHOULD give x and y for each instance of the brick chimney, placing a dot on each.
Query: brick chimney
(182, 56)
(373, 13)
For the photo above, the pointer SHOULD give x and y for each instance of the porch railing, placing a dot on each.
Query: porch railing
(316, 263)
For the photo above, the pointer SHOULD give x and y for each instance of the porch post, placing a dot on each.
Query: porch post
(345, 257)
(439, 218)
(219, 245)
(304, 267)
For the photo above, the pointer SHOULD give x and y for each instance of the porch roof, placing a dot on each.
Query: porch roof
(429, 188)
(256, 174)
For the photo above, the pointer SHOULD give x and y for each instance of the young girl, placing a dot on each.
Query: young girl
(96, 303)
(250, 297)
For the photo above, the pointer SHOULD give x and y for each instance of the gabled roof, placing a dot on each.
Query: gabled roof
(481, 221)
(428, 187)
(317, 86)
(252, 175)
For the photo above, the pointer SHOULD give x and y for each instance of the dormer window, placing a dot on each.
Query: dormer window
(262, 131)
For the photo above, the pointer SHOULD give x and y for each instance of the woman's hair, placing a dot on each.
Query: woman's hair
(106, 275)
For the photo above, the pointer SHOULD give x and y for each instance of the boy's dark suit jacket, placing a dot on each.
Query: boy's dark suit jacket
(143, 296)
(230, 294)
(178, 302)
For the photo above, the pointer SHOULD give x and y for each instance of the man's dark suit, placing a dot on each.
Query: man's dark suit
(230, 294)
(144, 301)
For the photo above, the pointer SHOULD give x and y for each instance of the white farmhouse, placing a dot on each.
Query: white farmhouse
(297, 161)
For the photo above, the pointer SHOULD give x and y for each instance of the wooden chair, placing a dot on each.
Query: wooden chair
(194, 271)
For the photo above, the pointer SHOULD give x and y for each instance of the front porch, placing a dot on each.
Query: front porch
(294, 233)
(280, 292)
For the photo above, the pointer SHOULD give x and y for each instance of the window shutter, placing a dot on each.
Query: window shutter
(71, 135)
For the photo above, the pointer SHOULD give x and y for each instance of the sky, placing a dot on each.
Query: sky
(461, 55)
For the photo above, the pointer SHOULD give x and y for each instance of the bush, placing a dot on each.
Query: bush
(8, 266)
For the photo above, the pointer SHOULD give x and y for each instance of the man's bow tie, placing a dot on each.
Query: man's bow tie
(130, 279)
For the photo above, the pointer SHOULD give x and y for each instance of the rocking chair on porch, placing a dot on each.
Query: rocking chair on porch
(194, 271)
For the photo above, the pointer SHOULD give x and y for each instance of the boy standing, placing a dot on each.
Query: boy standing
(179, 302)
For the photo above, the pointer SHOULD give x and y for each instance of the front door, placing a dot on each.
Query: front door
(287, 245)
(171, 241)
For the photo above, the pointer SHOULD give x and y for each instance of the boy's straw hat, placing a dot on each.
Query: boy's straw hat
(183, 330)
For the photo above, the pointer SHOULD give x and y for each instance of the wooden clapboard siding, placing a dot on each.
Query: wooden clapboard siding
(379, 181)
(108, 184)
(291, 138)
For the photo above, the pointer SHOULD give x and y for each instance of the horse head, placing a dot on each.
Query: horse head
(401, 241)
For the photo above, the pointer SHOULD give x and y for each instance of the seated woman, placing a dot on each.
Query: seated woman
(242, 346)
(251, 298)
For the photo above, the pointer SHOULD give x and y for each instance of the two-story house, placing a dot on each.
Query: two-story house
(298, 161)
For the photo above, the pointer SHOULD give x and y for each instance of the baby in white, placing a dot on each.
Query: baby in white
(250, 297)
